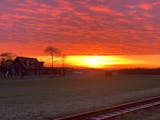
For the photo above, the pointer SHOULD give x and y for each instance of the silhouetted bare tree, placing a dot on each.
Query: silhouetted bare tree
(63, 60)
(52, 51)
(6, 60)
(5, 57)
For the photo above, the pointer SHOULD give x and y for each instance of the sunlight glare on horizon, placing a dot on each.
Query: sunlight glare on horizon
(97, 61)
(89, 61)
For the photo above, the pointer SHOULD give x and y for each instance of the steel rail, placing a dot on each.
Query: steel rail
(115, 111)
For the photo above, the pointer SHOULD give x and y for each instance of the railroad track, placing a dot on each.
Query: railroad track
(115, 111)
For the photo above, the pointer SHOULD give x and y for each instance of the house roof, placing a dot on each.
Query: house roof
(29, 63)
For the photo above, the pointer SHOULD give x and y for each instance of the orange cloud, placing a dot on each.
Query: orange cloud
(105, 9)
(80, 27)
(146, 6)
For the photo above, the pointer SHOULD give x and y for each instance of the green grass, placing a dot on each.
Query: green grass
(60, 96)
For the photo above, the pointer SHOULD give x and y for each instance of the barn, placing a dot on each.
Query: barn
(27, 66)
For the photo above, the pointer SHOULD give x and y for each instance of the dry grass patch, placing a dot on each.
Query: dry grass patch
(49, 96)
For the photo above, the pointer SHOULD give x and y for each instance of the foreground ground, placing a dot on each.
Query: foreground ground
(143, 115)
(40, 97)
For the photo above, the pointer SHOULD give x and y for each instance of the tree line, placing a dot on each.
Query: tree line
(7, 58)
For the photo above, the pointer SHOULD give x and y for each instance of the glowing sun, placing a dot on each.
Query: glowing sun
(91, 61)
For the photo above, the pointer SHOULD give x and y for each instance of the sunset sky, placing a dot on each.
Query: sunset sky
(93, 33)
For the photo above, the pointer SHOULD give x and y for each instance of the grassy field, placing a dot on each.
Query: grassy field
(47, 96)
